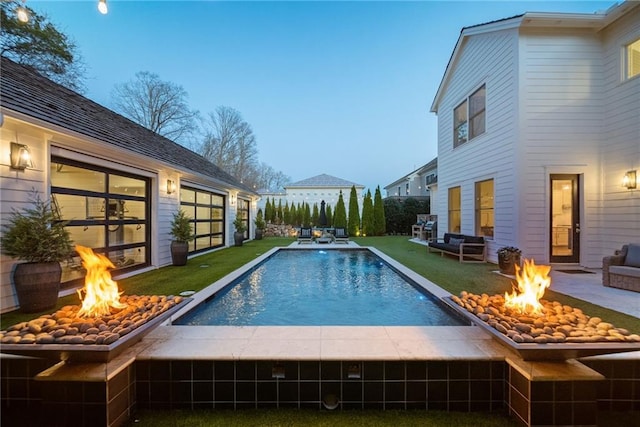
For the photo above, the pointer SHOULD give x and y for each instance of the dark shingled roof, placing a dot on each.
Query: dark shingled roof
(25, 91)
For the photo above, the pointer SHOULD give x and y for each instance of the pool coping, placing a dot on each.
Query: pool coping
(177, 342)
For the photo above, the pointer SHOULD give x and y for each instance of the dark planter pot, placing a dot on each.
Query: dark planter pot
(37, 285)
(508, 261)
(238, 238)
(179, 253)
(258, 234)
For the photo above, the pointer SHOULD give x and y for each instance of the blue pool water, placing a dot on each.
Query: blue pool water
(315, 288)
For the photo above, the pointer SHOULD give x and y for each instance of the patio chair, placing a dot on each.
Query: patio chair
(341, 235)
(305, 235)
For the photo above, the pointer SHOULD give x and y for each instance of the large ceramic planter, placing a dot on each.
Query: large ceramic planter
(179, 252)
(258, 234)
(37, 285)
(507, 262)
(238, 238)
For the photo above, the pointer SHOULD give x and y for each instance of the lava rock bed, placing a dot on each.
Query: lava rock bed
(66, 327)
(557, 324)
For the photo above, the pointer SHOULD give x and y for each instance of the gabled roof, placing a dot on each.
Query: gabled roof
(433, 164)
(24, 91)
(596, 21)
(323, 181)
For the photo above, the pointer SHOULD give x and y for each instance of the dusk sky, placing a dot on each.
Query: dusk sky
(342, 88)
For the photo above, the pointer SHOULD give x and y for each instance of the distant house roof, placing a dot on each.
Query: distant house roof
(24, 91)
(323, 181)
(432, 165)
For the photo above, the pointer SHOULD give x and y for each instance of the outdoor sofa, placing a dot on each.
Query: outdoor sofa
(466, 248)
(622, 270)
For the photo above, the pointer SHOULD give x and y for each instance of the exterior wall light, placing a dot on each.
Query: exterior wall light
(232, 199)
(171, 186)
(20, 156)
(629, 180)
(102, 7)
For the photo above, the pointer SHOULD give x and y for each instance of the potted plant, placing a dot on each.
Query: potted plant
(182, 233)
(260, 224)
(508, 258)
(37, 236)
(238, 236)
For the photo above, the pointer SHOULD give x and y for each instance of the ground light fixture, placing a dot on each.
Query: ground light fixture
(20, 156)
(630, 181)
(102, 7)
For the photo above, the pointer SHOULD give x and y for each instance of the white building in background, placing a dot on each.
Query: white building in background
(538, 124)
(314, 190)
(415, 184)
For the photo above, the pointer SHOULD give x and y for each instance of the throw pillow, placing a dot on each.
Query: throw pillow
(456, 242)
(633, 256)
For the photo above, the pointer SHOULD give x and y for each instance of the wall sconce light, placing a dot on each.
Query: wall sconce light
(20, 156)
(232, 199)
(629, 180)
(171, 186)
(102, 7)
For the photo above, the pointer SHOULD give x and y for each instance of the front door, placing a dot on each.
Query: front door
(565, 219)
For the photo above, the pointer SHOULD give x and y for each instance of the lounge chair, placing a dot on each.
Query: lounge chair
(341, 235)
(305, 235)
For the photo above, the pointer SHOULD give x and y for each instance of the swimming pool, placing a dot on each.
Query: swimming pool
(321, 288)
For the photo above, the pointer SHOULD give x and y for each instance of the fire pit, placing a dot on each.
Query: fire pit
(104, 325)
(538, 329)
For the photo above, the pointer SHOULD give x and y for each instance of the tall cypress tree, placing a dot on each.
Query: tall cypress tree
(267, 211)
(379, 221)
(315, 214)
(293, 215)
(279, 213)
(368, 228)
(286, 213)
(354, 213)
(329, 215)
(340, 216)
(306, 219)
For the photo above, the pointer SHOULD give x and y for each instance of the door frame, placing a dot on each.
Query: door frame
(575, 226)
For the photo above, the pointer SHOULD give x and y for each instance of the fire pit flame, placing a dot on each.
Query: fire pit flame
(100, 291)
(532, 282)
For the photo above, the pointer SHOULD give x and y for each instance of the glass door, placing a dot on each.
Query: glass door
(565, 219)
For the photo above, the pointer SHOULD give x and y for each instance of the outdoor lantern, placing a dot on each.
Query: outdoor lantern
(629, 180)
(102, 7)
(171, 186)
(20, 156)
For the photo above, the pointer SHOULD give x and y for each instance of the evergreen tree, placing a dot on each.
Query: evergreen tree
(315, 214)
(279, 213)
(354, 213)
(273, 215)
(340, 216)
(286, 214)
(267, 211)
(306, 219)
(293, 215)
(329, 215)
(368, 228)
(300, 215)
(379, 222)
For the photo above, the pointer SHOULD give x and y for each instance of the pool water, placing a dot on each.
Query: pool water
(318, 288)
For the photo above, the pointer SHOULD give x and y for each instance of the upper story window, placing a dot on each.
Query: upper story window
(469, 117)
(406, 189)
(632, 59)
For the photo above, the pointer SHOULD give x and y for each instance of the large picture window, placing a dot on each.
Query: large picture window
(243, 212)
(469, 117)
(105, 210)
(484, 208)
(455, 210)
(632, 59)
(206, 211)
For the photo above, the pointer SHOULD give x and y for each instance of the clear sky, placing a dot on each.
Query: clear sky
(342, 88)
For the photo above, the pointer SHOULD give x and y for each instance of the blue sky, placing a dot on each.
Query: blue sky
(342, 88)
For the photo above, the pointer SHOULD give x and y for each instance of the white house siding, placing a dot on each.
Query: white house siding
(618, 211)
(484, 59)
(561, 131)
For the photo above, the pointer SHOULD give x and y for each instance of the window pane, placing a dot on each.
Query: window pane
(125, 185)
(477, 112)
(454, 210)
(633, 59)
(187, 195)
(477, 125)
(203, 198)
(123, 234)
(91, 236)
(217, 200)
(484, 208)
(460, 124)
(77, 178)
(203, 228)
(203, 212)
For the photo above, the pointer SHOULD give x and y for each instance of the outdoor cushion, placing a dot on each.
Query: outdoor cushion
(455, 242)
(633, 256)
(624, 270)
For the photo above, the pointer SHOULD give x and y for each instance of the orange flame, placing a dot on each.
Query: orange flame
(100, 291)
(532, 281)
